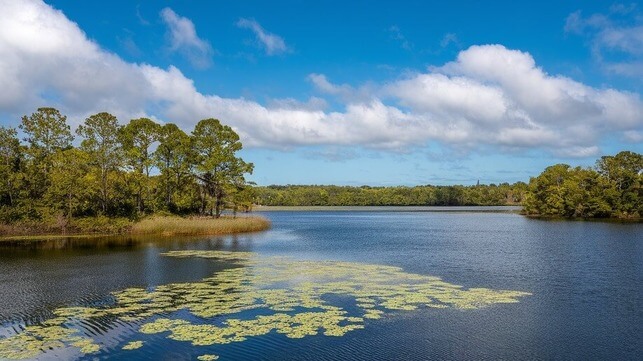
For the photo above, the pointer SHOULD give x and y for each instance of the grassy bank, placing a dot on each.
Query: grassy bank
(387, 208)
(153, 226)
(198, 226)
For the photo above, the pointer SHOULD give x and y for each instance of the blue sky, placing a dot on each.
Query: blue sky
(408, 92)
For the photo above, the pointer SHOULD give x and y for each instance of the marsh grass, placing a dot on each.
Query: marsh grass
(55, 228)
(198, 226)
(152, 226)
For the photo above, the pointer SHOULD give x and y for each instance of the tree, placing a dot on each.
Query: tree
(546, 195)
(101, 143)
(623, 172)
(217, 166)
(242, 197)
(70, 179)
(10, 165)
(46, 132)
(137, 139)
(611, 189)
(174, 157)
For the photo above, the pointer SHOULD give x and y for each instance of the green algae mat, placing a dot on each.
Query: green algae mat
(295, 298)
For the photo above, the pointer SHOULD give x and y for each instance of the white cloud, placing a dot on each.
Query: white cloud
(396, 34)
(503, 98)
(183, 38)
(322, 84)
(633, 136)
(272, 43)
(346, 93)
(616, 38)
(449, 38)
(488, 96)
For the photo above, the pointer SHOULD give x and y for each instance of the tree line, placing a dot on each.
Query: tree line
(425, 195)
(613, 188)
(115, 170)
(144, 167)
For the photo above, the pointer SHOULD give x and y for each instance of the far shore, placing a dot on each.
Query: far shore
(512, 209)
(163, 226)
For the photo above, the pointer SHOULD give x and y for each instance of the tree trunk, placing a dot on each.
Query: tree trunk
(168, 187)
(69, 210)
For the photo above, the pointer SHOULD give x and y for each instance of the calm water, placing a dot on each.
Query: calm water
(586, 280)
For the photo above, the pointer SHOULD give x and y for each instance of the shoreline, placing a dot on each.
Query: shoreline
(498, 209)
(581, 219)
(161, 226)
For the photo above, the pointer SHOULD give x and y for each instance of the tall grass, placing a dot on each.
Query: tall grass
(195, 226)
(60, 226)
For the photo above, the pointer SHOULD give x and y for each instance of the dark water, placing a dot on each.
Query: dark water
(586, 279)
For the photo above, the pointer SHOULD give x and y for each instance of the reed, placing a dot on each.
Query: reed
(151, 226)
(198, 226)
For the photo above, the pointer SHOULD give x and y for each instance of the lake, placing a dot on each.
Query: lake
(335, 285)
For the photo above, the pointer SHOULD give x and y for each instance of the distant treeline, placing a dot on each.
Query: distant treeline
(611, 189)
(425, 195)
(116, 170)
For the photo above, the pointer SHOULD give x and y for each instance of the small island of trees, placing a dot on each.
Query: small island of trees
(611, 189)
(115, 174)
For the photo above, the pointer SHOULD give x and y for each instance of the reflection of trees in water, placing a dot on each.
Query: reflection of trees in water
(235, 242)
(41, 276)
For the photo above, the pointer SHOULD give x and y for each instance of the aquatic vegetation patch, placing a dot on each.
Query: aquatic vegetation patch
(207, 357)
(133, 345)
(34, 340)
(293, 297)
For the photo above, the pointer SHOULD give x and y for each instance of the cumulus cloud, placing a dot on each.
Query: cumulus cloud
(271, 43)
(490, 96)
(182, 37)
(322, 84)
(501, 97)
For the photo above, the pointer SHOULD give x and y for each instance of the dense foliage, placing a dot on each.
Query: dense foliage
(613, 188)
(140, 168)
(323, 195)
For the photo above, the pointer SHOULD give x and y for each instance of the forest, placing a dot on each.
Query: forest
(113, 170)
(610, 189)
(613, 188)
(424, 195)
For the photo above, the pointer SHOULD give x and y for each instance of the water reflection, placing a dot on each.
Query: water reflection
(52, 273)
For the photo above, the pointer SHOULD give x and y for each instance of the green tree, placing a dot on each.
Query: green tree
(101, 143)
(70, 188)
(10, 166)
(174, 158)
(242, 197)
(137, 139)
(546, 194)
(47, 132)
(611, 189)
(217, 166)
(623, 172)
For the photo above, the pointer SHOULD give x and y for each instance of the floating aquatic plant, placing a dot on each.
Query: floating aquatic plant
(33, 340)
(207, 357)
(294, 293)
(133, 345)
